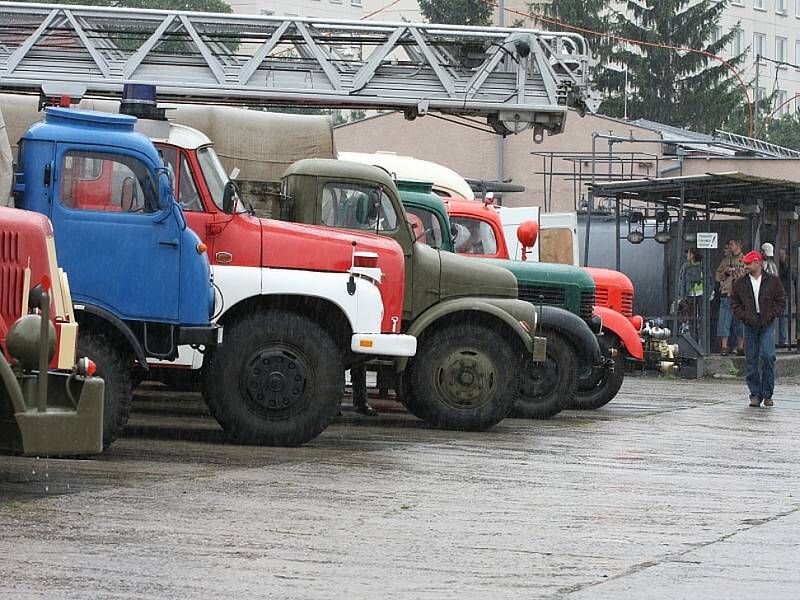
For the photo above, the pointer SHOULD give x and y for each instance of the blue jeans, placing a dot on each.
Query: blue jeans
(727, 324)
(759, 347)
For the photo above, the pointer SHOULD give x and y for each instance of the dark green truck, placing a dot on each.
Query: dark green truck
(354, 196)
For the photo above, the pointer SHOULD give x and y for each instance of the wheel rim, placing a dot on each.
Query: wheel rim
(466, 379)
(277, 382)
(542, 378)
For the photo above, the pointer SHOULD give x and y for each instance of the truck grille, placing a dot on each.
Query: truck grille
(10, 292)
(601, 296)
(537, 294)
(587, 305)
(9, 247)
(11, 273)
(627, 304)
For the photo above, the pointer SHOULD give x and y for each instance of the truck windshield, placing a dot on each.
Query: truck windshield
(215, 176)
(425, 225)
(474, 236)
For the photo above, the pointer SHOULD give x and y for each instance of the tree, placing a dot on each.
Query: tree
(684, 89)
(191, 5)
(785, 131)
(457, 12)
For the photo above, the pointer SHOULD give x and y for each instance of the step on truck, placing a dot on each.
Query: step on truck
(50, 404)
(139, 277)
(474, 334)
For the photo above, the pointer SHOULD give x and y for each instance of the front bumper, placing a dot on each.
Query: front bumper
(197, 336)
(384, 344)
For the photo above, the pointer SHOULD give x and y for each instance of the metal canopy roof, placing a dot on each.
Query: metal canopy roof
(722, 191)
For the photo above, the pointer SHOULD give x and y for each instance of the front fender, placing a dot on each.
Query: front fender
(575, 330)
(621, 326)
(508, 311)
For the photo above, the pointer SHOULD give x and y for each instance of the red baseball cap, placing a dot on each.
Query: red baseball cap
(752, 257)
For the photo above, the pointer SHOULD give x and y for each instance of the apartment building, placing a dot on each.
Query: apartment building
(771, 29)
(313, 9)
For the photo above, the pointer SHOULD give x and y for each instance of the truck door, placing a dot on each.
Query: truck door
(106, 214)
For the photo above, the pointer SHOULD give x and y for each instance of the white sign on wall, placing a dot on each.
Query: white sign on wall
(706, 240)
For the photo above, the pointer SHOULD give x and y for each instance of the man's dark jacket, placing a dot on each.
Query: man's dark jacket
(771, 300)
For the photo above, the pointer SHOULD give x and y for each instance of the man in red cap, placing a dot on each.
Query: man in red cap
(757, 300)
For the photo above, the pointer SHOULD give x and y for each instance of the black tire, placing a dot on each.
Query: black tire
(601, 385)
(547, 387)
(115, 368)
(290, 402)
(468, 352)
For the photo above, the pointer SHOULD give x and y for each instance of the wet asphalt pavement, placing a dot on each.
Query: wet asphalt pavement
(675, 490)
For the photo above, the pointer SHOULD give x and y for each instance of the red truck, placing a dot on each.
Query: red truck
(54, 409)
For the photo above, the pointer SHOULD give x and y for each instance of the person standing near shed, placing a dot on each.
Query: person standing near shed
(729, 270)
(768, 258)
(757, 300)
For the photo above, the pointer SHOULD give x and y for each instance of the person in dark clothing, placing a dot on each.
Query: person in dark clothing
(786, 281)
(358, 379)
(757, 299)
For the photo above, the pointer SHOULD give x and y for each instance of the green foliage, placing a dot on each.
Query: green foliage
(130, 38)
(191, 5)
(684, 89)
(785, 131)
(457, 12)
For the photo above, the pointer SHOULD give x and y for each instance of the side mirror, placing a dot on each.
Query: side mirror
(166, 189)
(527, 234)
(229, 198)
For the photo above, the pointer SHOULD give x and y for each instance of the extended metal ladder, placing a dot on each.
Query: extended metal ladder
(514, 78)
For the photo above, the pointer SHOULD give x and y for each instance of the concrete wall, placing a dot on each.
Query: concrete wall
(474, 154)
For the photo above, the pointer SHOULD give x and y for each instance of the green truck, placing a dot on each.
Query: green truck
(348, 195)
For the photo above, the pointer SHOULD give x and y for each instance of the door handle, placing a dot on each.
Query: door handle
(173, 243)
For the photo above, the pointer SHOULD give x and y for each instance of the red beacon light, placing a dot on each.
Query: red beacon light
(86, 367)
(527, 234)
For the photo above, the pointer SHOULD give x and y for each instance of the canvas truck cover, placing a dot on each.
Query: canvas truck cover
(260, 144)
(6, 167)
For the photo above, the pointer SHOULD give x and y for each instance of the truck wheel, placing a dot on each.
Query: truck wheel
(277, 380)
(464, 378)
(548, 387)
(115, 368)
(600, 386)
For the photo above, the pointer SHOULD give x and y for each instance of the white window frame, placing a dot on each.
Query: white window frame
(759, 44)
(737, 42)
(781, 7)
(759, 5)
(781, 43)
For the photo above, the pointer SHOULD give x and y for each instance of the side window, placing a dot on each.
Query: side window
(474, 236)
(352, 206)
(188, 196)
(96, 181)
(425, 225)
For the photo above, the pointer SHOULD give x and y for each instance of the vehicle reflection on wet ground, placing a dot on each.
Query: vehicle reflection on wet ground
(675, 489)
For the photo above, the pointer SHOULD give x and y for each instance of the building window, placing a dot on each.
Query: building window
(797, 49)
(780, 49)
(760, 94)
(737, 42)
(355, 2)
(780, 7)
(716, 34)
(266, 13)
(760, 44)
(758, 4)
(781, 107)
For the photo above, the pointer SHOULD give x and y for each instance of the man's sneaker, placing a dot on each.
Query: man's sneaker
(756, 402)
(768, 402)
